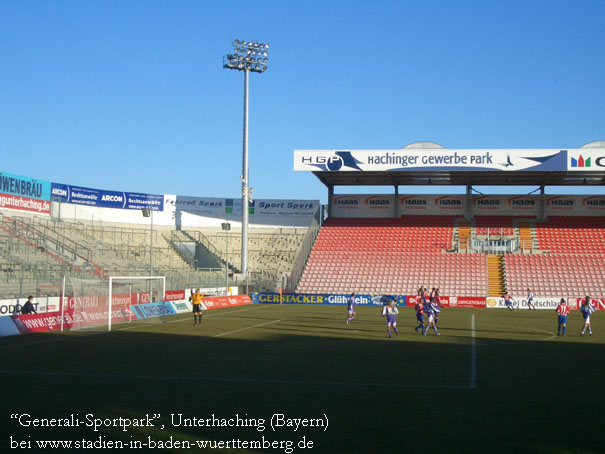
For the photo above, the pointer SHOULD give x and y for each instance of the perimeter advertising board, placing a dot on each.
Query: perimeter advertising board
(218, 302)
(446, 301)
(598, 303)
(317, 299)
(550, 303)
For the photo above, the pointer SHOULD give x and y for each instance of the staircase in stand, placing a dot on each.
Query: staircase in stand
(495, 275)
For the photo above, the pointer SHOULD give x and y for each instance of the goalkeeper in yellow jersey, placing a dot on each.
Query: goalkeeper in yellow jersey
(196, 301)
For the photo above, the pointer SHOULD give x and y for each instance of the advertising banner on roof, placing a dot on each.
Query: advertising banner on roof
(432, 204)
(368, 205)
(106, 199)
(30, 188)
(586, 159)
(423, 159)
(24, 193)
(218, 207)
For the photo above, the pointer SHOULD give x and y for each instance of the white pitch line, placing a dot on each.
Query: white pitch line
(139, 323)
(473, 382)
(187, 319)
(233, 332)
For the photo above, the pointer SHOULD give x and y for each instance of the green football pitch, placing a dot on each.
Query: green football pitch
(282, 379)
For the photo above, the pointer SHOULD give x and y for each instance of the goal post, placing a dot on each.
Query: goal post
(145, 283)
(98, 303)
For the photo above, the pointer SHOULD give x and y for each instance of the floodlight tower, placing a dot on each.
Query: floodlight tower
(247, 56)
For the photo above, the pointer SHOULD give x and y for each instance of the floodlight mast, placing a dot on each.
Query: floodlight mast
(247, 56)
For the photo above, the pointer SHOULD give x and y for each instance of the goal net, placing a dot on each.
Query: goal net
(97, 304)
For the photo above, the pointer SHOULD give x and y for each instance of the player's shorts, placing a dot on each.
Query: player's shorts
(197, 308)
(431, 318)
(586, 319)
(391, 319)
(351, 311)
(420, 318)
(562, 319)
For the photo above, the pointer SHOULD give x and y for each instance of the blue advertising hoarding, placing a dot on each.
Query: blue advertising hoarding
(328, 298)
(153, 309)
(106, 199)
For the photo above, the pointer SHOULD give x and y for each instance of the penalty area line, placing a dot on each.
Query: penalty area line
(258, 325)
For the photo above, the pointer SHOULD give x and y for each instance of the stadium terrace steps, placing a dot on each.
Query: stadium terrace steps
(495, 271)
(526, 236)
(464, 235)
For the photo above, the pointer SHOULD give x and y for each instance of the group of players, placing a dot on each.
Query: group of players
(429, 304)
(586, 308)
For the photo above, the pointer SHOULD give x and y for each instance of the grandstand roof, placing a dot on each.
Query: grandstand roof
(453, 178)
(552, 167)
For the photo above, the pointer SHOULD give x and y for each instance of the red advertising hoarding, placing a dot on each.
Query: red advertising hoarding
(226, 301)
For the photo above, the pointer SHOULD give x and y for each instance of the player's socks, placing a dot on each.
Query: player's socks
(564, 329)
(435, 329)
(396, 332)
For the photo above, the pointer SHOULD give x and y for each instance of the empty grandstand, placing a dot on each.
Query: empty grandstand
(466, 245)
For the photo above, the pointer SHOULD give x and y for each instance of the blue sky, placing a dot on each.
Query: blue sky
(131, 95)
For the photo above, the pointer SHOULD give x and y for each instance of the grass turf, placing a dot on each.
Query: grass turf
(494, 381)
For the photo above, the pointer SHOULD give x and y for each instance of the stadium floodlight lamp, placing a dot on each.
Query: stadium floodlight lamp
(246, 56)
(245, 52)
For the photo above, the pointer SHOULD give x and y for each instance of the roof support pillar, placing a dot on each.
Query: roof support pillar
(330, 199)
(542, 205)
(469, 202)
(396, 203)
